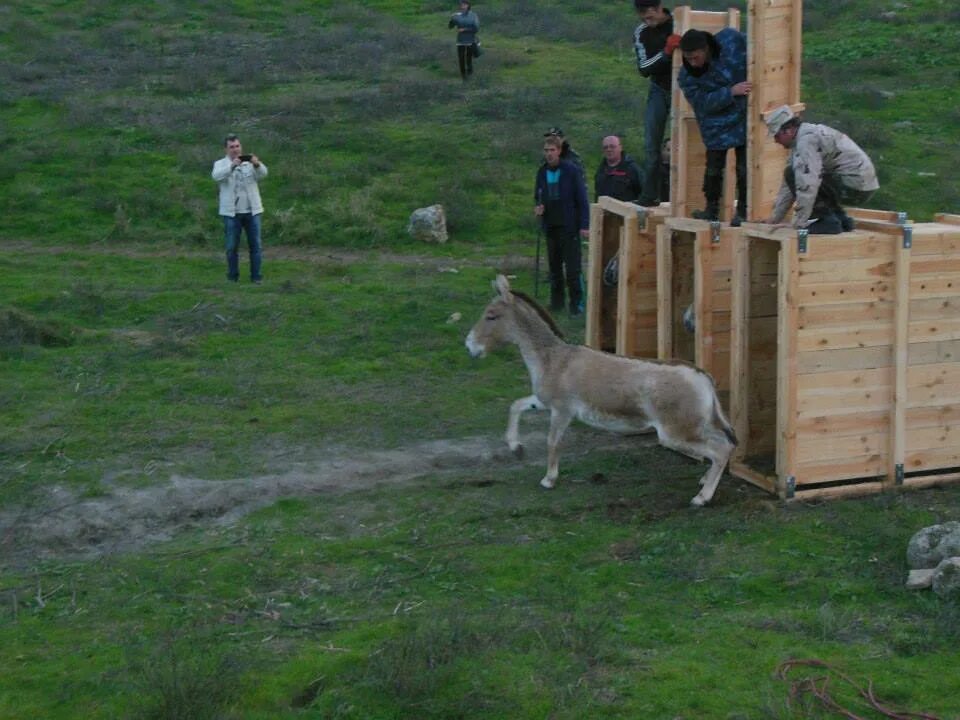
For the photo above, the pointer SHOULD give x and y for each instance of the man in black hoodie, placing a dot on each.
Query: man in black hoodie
(618, 175)
(654, 42)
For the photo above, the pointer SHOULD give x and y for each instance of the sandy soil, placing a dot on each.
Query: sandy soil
(126, 519)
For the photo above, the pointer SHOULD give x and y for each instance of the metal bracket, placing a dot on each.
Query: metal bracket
(901, 218)
(907, 236)
(802, 240)
(642, 213)
(898, 473)
(715, 231)
(791, 487)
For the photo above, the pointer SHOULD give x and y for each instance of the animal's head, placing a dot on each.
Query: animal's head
(494, 326)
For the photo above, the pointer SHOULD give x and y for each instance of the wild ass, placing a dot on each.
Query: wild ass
(624, 395)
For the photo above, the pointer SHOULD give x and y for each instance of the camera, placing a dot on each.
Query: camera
(245, 158)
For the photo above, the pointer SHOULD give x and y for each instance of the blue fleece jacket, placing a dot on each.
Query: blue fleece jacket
(573, 196)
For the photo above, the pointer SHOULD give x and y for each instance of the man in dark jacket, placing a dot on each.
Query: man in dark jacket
(714, 81)
(618, 175)
(561, 203)
(654, 42)
(567, 153)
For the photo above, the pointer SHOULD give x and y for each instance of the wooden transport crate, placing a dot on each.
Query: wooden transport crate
(845, 359)
(622, 318)
(694, 262)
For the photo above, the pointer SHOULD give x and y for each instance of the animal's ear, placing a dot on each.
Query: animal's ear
(502, 286)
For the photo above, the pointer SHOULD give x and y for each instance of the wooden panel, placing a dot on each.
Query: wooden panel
(820, 471)
(595, 295)
(846, 292)
(774, 56)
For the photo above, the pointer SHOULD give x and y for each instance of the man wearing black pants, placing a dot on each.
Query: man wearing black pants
(468, 25)
(561, 203)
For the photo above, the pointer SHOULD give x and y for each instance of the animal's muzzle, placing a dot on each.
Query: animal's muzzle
(475, 349)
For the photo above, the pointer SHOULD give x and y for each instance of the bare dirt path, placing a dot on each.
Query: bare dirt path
(64, 526)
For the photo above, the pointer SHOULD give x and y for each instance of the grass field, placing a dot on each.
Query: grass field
(292, 500)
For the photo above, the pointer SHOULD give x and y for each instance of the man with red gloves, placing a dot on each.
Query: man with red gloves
(654, 42)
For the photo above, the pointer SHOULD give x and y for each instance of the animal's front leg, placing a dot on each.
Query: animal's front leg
(513, 425)
(559, 422)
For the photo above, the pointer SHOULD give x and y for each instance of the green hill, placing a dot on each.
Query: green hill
(112, 113)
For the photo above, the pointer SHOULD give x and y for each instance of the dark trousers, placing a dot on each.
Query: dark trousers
(654, 127)
(829, 216)
(563, 257)
(465, 58)
(713, 179)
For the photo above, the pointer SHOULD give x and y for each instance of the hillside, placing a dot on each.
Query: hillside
(112, 112)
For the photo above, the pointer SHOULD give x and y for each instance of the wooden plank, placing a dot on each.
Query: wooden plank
(618, 207)
(846, 292)
(934, 416)
(816, 272)
(840, 491)
(934, 352)
(947, 218)
(739, 366)
(926, 481)
(702, 300)
(847, 359)
(754, 477)
(629, 250)
(788, 453)
(864, 336)
(821, 471)
(664, 293)
(846, 314)
(850, 246)
(594, 279)
(932, 459)
(844, 423)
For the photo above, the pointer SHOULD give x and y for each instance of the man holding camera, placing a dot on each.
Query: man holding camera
(237, 174)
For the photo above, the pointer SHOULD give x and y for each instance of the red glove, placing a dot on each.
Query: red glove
(673, 42)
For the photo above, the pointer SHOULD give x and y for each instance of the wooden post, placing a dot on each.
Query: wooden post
(664, 293)
(901, 344)
(626, 319)
(788, 325)
(594, 278)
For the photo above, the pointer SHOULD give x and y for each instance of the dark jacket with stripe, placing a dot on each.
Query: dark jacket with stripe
(652, 62)
(622, 181)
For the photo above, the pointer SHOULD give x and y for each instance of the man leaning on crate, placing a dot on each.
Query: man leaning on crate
(826, 170)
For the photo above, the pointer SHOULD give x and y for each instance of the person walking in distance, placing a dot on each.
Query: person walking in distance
(468, 25)
(238, 175)
(654, 43)
(564, 211)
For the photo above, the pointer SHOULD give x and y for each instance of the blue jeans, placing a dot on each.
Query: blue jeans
(232, 227)
(654, 127)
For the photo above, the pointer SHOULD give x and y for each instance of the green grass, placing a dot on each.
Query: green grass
(126, 360)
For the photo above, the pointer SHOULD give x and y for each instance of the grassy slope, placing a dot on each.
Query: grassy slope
(111, 118)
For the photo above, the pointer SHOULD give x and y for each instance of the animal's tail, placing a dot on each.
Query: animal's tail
(721, 420)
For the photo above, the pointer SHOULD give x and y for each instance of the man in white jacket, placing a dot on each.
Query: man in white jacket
(826, 171)
(240, 206)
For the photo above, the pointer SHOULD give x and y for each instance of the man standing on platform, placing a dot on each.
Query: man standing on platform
(560, 195)
(654, 42)
(826, 171)
(618, 175)
(714, 81)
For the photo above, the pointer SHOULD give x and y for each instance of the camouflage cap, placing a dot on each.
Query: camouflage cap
(777, 118)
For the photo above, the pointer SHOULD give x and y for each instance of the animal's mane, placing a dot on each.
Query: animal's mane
(544, 315)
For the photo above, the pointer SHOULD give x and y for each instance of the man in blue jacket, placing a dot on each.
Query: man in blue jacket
(561, 204)
(714, 81)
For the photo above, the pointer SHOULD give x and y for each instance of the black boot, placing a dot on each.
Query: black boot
(712, 211)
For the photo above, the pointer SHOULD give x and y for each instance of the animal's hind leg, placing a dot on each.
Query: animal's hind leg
(559, 422)
(517, 408)
(717, 452)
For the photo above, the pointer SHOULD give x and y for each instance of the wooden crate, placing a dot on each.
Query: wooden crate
(623, 318)
(694, 262)
(845, 359)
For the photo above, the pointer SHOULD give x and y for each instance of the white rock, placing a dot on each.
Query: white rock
(428, 224)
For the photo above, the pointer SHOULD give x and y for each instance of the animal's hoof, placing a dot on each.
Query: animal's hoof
(697, 501)
(547, 483)
(517, 451)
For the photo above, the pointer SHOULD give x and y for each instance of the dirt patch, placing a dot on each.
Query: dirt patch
(124, 519)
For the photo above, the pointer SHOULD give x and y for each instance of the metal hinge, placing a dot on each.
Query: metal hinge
(715, 231)
(791, 486)
(898, 473)
(901, 218)
(802, 240)
(907, 236)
